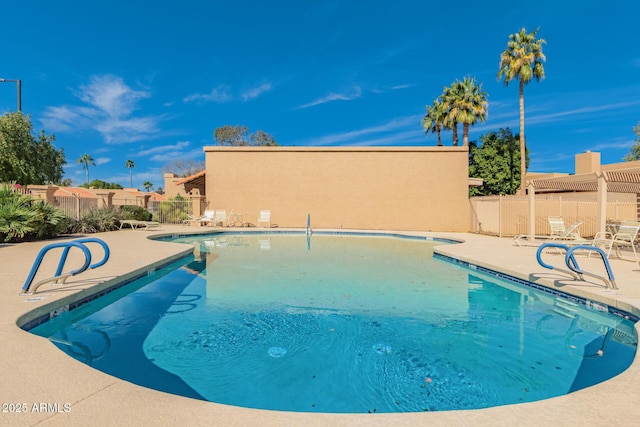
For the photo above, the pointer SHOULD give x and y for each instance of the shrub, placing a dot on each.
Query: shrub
(96, 220)
(25, 218)
(135, 212)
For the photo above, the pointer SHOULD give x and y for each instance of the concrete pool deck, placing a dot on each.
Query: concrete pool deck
(52, 389)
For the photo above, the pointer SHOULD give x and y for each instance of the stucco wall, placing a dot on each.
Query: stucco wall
(395, 188)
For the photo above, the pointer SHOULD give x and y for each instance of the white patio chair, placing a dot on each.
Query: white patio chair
(207, 218)
(220, 218)
(625, 236)
(264, 217)
(559, 232)
(192, 219)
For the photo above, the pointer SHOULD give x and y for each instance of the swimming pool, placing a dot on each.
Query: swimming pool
(341, 324)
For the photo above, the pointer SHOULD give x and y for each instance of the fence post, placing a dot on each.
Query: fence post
(560, 205)
(500, 215)
(532, 211)
(196, 203)
(76, 199)
(105, 197)
(601, 213)
(143, 200)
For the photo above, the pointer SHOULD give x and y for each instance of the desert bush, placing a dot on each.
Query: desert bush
(96, 220)
(135, 212)
(25, 218)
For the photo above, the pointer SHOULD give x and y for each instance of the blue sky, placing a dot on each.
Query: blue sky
(151, 81)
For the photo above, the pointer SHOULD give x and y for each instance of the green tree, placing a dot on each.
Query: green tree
(434, 120)
(183, 168)
(634, 154)
(522, 60)
(98, 183)
(26, 158)
(497, 162)
(86, 160)
(238, 136)
(147, 186)
(130, 165)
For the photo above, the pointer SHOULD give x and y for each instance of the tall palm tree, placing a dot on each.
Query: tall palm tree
(434, 120)
(449, 97)
(86, 161)
(147, 185)
(522, 60)
(470, 105)
(129, 164)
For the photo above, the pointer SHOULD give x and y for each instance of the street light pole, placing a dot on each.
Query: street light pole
(18, 89)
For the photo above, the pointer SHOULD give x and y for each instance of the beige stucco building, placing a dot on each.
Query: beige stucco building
(380, 188)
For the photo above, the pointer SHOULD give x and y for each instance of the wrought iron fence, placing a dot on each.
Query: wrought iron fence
(173, 211)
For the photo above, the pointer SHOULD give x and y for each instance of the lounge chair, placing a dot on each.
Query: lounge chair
(625, 236)
(135, 224)
(568, 235)
(207, 217)
(192, 219)
(219, 218)
(264, 217)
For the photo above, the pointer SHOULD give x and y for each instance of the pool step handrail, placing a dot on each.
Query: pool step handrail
(309, 231)
(60, 277)
(65, 252)
(576, 275)
(572, 264)
(609, 281)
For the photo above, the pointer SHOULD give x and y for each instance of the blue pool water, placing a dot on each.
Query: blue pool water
(341, 324)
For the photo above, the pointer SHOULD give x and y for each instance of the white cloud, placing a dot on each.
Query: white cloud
(164, 148)
(355, 94)
(615, 143)
(256, 91)
(219, 95)
(545, 118)
(111, 96)
(355, 137)
(109, 104)
(172, 155)
(403, 86)
(102, 160)
(223, 93)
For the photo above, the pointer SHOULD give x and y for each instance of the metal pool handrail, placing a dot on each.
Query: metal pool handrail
(571, 259)
(574, 269)
(60, 277)
(610, 282)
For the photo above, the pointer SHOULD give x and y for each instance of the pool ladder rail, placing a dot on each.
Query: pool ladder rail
(59, 277)
(309, 230)
(574, 269)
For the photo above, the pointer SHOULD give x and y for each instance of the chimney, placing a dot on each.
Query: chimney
(587, 162)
